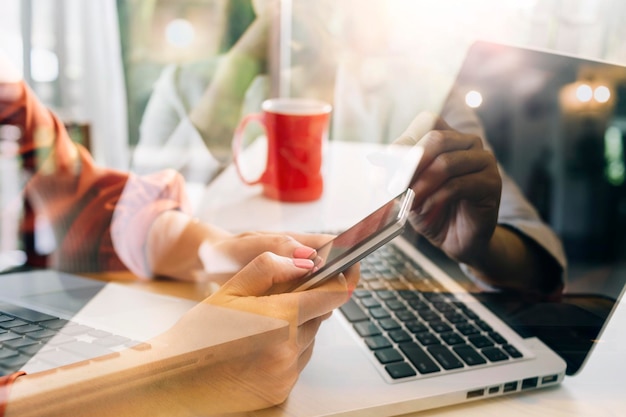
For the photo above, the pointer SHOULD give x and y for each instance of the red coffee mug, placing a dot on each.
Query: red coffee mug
(295, 129)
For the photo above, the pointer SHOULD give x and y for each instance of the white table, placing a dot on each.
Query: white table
(358, 178)
(354, 186)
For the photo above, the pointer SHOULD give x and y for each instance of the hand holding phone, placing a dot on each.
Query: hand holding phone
(358, 241)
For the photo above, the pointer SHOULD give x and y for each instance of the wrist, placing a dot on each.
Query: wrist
(173, 244)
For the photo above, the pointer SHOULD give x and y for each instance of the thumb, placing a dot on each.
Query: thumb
(419, 126)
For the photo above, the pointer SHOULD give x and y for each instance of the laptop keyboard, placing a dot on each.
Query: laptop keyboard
(33, 341)
(413, 326)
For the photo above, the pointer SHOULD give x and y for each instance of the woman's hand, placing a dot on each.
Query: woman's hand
(221, 259)
(182, 248)
(266, 377)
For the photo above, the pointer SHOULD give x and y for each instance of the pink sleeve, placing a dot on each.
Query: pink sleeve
(100, 216)
(141, 202)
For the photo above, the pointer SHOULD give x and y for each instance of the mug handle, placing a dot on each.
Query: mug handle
(237, 143)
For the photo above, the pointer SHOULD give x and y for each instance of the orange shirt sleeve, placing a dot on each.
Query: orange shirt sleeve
(100, 217)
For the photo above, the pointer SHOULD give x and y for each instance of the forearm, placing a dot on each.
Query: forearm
(218, 111)
(513, 261)
(174, 240)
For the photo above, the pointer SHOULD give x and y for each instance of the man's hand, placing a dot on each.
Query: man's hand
(457, 188)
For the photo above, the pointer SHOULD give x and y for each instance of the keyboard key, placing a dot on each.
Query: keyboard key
(18, 343)
(353, 312)
(497, 337)
(408, 295)
(494, 354)
(377, 342)
(26, 329)
(454, 317)
(76, 330)
(452, 338)
(386, 295)
(15, 362)
(389, 355)
(480, 341)
(484, 326)
(42, 334)
(377, 285)
(8, 336)
(428, 315)
(400, 370)
(366, 328)
(395, 305)
(512, 351)
(7, 353)
(55, 324)
(60, 339)
(25, 313)
(360, 293)
(405, 315)
(370, 302)
(467, 329)
(379, 313)
(389, 324)
(57, 357)
(434, 297)
(111, 341)
(439, 326)
(419, 358)
(416, 326)
(7, 325)
(445, 358)
(470, 314)
(86, 350)
(400, 336)
(443, 306)
(418, 304)
(469, 355)
(31, 350)
(427, 338)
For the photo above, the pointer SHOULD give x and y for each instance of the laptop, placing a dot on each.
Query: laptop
(412, 337)
(51, 321)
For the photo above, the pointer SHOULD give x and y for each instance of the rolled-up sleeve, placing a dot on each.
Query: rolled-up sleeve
(99, 217)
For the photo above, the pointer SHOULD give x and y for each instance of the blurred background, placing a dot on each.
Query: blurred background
(96, 62)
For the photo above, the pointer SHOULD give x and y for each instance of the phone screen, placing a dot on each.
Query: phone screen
(359, 240)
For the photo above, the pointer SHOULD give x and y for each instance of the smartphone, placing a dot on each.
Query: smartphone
(359, 241)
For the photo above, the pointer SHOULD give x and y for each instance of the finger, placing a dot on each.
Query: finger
(321, 300)
(310, 240)
(314, 240)
(438, 142)
(454, 164)
(306, 333)
(243, 248)
(265, 271)
(419, 126)
(305, 357)
(483, 190)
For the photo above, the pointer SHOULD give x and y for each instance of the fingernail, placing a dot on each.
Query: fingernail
(304, 252)
(303, 263)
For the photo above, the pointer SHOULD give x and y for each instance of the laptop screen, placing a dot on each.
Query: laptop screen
(558, 127)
